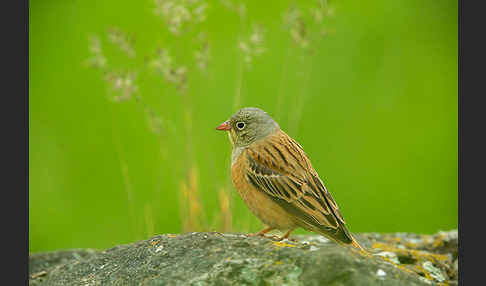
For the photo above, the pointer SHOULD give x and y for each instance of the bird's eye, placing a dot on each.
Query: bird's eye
(240, 125)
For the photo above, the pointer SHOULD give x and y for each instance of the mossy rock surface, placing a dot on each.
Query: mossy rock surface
(209, 258)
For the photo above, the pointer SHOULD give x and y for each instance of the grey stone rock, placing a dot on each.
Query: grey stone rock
(232, 259)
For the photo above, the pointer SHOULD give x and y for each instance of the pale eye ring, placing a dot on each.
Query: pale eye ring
(240, 125)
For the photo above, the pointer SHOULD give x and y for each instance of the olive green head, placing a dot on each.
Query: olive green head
(248, 125)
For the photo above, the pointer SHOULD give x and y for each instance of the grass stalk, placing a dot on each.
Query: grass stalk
(283, 79)
(126, 180)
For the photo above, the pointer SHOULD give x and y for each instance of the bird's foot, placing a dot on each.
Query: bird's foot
(286, 236)
(260, 233)
(253, 234)
(289, 239)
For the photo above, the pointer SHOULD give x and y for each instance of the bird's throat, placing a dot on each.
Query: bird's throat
(235, 154)
(231, 135)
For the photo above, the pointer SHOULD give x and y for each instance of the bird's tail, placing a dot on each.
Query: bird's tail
(344, 237)
(355, 243)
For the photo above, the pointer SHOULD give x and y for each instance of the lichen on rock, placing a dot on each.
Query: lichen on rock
(212, 258)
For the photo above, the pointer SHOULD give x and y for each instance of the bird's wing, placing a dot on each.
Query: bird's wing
(279, 167)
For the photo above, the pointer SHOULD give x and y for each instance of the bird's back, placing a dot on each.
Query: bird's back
(280, 169)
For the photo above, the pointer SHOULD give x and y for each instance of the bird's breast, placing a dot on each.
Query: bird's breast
(259, 203)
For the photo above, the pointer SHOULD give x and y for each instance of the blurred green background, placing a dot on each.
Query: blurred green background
(369, 89)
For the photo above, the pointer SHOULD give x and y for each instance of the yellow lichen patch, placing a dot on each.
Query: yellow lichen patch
(282, 244)
(416, 258)
(421, 255)
(411, 244)
(439, 241)
(401, 266)
(154, 242)
(382, 246)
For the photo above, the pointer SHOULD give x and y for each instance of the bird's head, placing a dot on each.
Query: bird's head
(248, 125)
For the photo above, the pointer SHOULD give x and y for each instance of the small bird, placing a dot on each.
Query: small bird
(276, 180)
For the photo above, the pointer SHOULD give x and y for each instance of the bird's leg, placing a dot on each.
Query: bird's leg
(286, 235)
(262, 232)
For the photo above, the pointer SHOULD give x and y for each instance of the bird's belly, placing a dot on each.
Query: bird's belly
(263, 207)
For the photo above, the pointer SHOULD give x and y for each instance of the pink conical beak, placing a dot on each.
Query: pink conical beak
(224, 126)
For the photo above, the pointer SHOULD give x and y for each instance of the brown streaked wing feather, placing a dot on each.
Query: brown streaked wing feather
(280, 168)
(315, 181)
